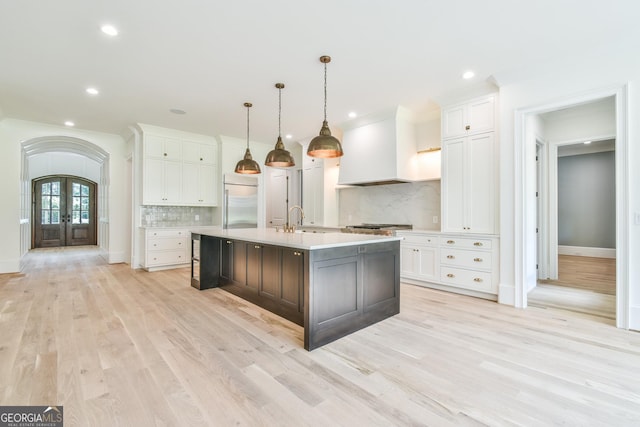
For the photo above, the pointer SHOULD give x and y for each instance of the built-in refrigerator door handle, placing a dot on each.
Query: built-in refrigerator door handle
(226, 209)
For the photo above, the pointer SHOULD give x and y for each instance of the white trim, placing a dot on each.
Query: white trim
(522, 166)
(587, 251)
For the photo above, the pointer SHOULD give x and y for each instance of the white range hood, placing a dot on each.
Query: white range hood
(381, 149)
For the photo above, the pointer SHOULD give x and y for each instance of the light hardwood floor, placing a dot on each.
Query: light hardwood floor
(585, 284)
(121, 347)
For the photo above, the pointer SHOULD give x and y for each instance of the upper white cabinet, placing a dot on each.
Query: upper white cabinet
(313, 191)
(179, 169)
(469, 175)
(469, 118)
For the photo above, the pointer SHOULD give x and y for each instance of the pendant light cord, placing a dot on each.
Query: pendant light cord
(247, 127)
(325, 91)
(279, 109)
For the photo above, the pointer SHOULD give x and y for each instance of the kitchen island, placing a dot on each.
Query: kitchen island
(332, 284)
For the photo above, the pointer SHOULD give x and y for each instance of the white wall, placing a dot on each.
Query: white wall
(12, 133)
(547, 84)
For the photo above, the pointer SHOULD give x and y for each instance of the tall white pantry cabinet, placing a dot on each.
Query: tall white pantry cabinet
(469, 168)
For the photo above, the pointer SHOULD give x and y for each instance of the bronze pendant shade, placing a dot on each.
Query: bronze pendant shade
(279, 157)
(325, 145)
(247, 165)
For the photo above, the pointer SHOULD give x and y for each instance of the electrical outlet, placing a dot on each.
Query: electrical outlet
(197, 217)
(435, 219)
(636, 218)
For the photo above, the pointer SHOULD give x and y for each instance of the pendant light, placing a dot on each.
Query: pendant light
(247, 165)
(279, 157)
(325, 145)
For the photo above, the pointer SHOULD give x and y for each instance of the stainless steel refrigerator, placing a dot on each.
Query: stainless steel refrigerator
(240, 201)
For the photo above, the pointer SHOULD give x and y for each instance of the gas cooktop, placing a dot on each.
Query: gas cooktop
(381, 229)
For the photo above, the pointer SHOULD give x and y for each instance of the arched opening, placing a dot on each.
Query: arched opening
(62, 155)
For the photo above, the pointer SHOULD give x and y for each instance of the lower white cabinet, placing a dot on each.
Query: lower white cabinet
(460, 263)
(166, 248)
(419, 257)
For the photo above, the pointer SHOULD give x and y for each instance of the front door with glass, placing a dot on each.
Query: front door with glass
(64, 212)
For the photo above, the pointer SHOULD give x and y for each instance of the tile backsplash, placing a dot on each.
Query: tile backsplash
(415, 203)
(176, 216)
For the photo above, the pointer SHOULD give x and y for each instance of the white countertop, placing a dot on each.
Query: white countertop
(308, 241)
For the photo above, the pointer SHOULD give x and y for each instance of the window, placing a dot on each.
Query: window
(51, 203)
(80, 204)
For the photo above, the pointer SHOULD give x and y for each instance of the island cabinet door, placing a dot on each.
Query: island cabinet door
(226, 261)
(292, 287)
(254, 266)
(234, 262)
(270, 272)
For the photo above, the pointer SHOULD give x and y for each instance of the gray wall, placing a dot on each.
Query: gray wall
(586, 200)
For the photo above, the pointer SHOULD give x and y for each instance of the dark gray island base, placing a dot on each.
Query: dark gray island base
(330, 290)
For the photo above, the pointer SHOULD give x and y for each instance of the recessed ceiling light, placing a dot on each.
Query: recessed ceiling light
(92, 91)
(353, 114)
(109, 30)
(468, 75)
(177, 111)
(288, 136)
(587, 142)
(69, 123)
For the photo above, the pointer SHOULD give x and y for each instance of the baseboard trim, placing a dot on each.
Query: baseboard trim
(10, 266)
(586, 251)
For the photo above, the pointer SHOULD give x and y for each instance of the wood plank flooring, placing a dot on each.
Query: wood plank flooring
(122, 347)
(585, 285)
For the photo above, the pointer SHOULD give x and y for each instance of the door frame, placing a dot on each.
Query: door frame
(525, 208)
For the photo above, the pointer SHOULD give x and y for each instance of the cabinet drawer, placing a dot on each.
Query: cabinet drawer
(469, 279)
(420, 239)
(465, 242)
(166, 258)
(167, 232)
(167, 244)
(463, 258)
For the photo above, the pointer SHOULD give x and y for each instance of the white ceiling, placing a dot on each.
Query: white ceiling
(209, 57)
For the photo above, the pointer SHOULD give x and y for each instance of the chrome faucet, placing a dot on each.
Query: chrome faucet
(290, 228)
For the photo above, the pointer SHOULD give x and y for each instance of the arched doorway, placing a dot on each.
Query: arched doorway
(64, 211)
(95, 169)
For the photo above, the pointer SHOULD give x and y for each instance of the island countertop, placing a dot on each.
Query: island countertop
(306, 240)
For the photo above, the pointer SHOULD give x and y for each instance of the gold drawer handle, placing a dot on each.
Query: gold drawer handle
(450, 257)
(257, 246)
(229, 242)
(477, 244)
(477, 279)
(451, 275)
(477, 259)
(451, 242)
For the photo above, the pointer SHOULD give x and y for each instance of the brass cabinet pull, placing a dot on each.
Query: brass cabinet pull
(477, 244)
(477, 259)
(450, 257)
(451, 275)
(229, 242)
(256, 246)
(477, 279)
(451, 242)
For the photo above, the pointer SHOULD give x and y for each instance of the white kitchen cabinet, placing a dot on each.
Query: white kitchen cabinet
(199, 185)
(166, 248)
(469, 118)
(452, 262)
(469, 263)
(469, 184)
(162, 182)
(178, 171)
(419, 257)
(277, 188)
(313, 191)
